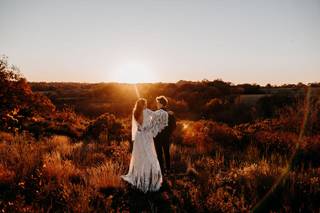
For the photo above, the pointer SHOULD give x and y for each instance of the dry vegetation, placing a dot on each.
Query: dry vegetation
(227, 156)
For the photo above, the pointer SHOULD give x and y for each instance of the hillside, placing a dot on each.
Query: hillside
(237, 148)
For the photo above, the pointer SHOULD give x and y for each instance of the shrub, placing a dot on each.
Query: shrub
(208, 136)
(6, 176)
(308, 153)
(105, 128)
(275, 142)
(18, 104)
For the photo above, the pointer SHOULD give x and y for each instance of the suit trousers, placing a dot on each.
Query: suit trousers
(163, 147)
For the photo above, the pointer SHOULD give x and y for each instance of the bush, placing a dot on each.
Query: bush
(308, 153)
(18, 104)
(275, 142)
(208, 136)
(105, 129)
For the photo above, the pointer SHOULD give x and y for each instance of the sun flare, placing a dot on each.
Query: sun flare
(134, 73)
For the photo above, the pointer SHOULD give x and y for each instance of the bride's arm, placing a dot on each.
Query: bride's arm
(150, 112)
(158, 121)
(134, 128)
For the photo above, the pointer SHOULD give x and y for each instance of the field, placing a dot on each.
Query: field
(63, 147)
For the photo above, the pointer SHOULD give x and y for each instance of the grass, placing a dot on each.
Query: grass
(215, 169)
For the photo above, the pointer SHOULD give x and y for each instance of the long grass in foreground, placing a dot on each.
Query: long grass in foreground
(215, 168)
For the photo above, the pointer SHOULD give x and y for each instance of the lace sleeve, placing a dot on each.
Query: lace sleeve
(158, 121)
(150, 112)
(134, 128)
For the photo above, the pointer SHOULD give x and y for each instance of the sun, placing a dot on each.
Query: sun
(134, 72)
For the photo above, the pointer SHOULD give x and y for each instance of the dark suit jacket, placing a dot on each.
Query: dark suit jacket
(165, 134)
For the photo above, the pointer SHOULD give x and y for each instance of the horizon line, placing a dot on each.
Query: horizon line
(176, 82)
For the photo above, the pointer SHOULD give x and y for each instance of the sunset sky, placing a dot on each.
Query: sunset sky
(241, 41)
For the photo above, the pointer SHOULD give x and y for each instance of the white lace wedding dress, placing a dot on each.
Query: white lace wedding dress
(144, 171)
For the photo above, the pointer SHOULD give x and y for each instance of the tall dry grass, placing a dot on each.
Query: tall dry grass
(215, 168)
(55, 174)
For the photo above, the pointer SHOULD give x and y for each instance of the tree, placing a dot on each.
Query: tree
(17, 102)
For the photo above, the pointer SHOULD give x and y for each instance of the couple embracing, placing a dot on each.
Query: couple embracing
(151, 132)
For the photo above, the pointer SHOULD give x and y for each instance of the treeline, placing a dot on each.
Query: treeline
(217, 100)
(67, 107)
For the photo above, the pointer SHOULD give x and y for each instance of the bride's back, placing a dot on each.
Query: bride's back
(138, 110)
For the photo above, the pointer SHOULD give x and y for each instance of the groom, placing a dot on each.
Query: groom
(163, 139)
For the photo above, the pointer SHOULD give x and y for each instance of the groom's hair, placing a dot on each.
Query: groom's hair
(162, 100)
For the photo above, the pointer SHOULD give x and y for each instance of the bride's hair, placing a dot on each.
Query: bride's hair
(141, 103)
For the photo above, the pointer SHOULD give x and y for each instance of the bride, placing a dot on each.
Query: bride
(144, 170)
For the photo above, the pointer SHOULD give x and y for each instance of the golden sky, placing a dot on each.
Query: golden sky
(248, 41)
